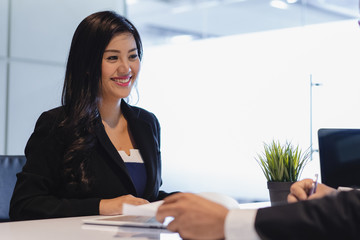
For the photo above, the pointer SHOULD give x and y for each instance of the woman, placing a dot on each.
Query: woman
(95, 152)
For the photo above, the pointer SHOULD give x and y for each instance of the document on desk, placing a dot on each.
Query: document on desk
(144, 215)
(133, 216)
(149, 209)
(126, 221)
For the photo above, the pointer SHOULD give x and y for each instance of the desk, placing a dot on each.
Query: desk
(73, 229)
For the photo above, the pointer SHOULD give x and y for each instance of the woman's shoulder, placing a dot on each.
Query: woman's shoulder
(50, 118)
(142, 113)
(46, 127)
(139, 113)
(53, 114)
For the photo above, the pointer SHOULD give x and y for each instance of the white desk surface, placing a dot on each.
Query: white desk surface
(74, 229)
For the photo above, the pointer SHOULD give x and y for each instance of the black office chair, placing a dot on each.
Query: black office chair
(9, 167)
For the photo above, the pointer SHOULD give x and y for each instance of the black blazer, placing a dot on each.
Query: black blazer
(333, 217)
(40, 191)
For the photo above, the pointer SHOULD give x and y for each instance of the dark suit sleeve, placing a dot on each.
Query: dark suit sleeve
(36, 194)
(332, 217)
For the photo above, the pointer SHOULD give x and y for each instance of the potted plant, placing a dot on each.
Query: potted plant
(282, 166)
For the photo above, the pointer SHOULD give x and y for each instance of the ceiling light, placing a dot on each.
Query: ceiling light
(181, 39)
(279, 4)
(131, 2)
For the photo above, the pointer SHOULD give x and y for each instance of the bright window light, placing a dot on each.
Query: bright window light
(181, 39)
(131, 2)
(279, 4)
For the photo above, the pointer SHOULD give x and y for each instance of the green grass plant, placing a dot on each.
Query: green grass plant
(282, 163)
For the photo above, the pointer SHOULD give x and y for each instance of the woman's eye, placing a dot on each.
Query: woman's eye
(112, 58)
(133, 56)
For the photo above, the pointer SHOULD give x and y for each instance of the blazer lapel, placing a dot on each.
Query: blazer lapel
(113, 153)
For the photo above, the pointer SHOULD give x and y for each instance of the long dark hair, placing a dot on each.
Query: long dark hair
(80, 96)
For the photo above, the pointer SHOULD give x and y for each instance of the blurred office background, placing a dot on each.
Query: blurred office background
(222, 76)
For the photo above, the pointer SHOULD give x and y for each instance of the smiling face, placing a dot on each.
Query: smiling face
(120, 67)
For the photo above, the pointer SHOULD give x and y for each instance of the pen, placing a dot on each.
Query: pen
(314, 185)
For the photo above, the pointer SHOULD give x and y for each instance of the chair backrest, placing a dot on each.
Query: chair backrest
(9, 167)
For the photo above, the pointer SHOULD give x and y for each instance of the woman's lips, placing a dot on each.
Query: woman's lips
(122, 81)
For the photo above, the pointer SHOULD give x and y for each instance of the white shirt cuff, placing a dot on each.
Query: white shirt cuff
(344, 189)
(239, 224)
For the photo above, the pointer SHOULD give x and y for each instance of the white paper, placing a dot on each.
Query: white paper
(226, 201)
(148, 209)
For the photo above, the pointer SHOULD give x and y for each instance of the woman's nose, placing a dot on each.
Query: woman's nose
(124, 67)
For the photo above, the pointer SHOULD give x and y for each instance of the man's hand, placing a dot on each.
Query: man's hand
(194, 217)
(115, 205)
(300, 191)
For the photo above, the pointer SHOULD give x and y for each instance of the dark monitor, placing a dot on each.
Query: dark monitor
(339, 151)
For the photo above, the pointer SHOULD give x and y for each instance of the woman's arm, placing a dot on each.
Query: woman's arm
(37, 193)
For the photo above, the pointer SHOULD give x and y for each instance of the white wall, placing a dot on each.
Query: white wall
(218, 100)
(2, 104)
(3, 27)
(3, 53)
(42, 29)
(29, 80)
